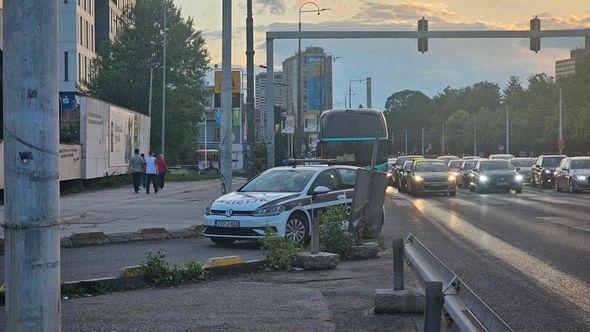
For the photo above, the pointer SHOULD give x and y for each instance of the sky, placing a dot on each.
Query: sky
(396, 65)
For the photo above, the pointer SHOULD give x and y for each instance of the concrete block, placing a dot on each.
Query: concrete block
(389, 301)
(124, 237)
(90, 238)
(363, 251)
(224, 261)
(154, 233)
(319, 261)
(182, 234)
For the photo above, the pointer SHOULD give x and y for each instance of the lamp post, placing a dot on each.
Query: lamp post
(352, 79)
(317, 10)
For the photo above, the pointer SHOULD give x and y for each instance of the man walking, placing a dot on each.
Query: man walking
(151, 171)
(162, 169)
(143, 177)
(136, 167)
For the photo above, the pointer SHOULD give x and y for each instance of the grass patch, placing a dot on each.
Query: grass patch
(160, 274)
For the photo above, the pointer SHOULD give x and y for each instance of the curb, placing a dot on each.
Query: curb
(131, 278)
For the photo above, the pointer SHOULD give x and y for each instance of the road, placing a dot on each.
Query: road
(526, 255)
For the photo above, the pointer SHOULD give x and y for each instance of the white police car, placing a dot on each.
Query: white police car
(282, 198)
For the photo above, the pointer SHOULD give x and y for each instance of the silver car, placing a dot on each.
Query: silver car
(523, 166)
(573, 174)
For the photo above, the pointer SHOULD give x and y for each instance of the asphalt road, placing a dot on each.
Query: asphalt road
(527, 255)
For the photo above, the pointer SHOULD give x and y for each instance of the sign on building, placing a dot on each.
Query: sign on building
(311, 123)
(288, 125)
(121, 132)
(315, 83)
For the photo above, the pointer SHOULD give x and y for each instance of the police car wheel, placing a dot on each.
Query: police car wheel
(296, 229)
(223, 241)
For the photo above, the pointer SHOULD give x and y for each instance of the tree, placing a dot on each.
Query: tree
(120, 73)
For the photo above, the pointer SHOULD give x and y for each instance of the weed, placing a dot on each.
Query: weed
(332, 237)
(279, 252)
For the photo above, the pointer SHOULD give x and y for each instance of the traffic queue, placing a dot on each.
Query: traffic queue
(415, 174)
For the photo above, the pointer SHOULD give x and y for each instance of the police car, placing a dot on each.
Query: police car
(282, 198)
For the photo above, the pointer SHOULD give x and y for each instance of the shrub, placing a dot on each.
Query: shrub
(159, 273)
(280, 253)
(332, 237)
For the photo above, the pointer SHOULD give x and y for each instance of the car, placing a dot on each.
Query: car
(399, 163)
(431, 176)
(523, 166)
(465, 175)
(447, 158)
(573, 174)
(501, 156)
(403, 183)
(282, 198)
(390, 169)
(543, 172)
(470, 157)
(455, 166)
(498, 174)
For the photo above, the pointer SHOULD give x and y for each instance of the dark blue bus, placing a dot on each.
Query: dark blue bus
(349, 135)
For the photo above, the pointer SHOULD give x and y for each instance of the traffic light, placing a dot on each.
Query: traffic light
(422, 42)
(535, 41)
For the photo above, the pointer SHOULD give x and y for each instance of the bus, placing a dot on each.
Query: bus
(349, 135)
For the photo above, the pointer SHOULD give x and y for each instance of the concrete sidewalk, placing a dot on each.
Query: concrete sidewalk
(179, 206)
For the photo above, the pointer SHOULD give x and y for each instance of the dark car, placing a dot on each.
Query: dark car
(464, 179)
(398, 166)
(543, 172)
(431, 176)
(403, 183)
(573, 174)
(495, 174)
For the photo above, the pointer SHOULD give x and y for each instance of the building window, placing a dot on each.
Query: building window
(217, 134)
(86, 29)
(66, 69)
(79, 67)
(81, 33)
(85, 68)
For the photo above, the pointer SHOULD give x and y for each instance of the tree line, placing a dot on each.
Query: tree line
(479, 110)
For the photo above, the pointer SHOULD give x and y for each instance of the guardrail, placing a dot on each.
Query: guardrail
(444, 290)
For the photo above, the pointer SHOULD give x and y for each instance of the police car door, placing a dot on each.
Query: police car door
(321, 202)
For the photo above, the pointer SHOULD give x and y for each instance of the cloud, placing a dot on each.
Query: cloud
(379, 11)
(275, 7)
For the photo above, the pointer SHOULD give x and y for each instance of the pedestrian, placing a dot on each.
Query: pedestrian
(143, 176)
(151, 171)
(136, 167)
(162, 169)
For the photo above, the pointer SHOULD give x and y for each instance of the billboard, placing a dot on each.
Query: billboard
(315, 78)
(236, 82)
(121, 132)
(288, 125)
(310, 123)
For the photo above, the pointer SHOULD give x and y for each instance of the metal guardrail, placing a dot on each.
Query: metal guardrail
(466, 310)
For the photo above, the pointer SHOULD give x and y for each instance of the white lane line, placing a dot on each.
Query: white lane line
(402, 202)
(561, 284)
(462, 202)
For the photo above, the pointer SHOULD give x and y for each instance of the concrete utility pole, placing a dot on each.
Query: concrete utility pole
(507, 131)
(226, 100)
(443, 139)
(164, 56)
(422, 134)
(475, 136)
(31, 166)
(560, 124)
(369, 93)
(150, 94)
(406, 133)
(250, 91)
(270, 105)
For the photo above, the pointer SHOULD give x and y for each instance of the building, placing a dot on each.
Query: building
(108, 13)
(316, 90)
(567, 67)
(280, 92)
(82, 24)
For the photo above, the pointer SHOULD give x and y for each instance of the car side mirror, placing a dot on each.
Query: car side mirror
(320, 190)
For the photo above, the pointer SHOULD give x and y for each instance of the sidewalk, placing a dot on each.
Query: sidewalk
(179, 206)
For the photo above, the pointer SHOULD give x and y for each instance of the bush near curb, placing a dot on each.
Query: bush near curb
(333, 238)
(279, 253)
(159, 273)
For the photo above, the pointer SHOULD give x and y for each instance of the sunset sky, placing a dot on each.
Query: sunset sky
(395, 64)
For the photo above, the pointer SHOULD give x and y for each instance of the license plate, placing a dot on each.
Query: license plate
(227, 223)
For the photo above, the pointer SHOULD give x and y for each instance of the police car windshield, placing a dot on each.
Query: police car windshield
(495, 166)
(431, 167)
(280, 181)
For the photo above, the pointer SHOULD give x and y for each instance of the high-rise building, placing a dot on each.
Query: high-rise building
(108, 14)
(280, 93)
(316, 90)
(567, 67)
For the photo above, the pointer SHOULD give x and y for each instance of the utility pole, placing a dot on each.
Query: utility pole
(443, 139)
(422, 134)
(560, 124)
(475, 136)
(164, 58)
(250, 91)
(150, 94)
(226, 99)
(406, 133)
(369, 93)
(270, 105)
(507, 131)
(31, 166)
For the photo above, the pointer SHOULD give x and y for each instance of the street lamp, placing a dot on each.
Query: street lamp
(352, 79)
(317, 10)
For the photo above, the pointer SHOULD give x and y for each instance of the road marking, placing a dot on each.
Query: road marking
(567, 222)
(462, 202)
(402, 202)
(558, 282)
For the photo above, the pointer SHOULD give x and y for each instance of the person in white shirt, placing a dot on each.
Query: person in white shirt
(151, 172)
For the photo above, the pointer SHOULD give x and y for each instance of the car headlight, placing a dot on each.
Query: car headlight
(418, 178)
(580, 177)
(452, 177)
(547, 171)
(269, 211)
(483, 178)
(518, 178)
(208, 209)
